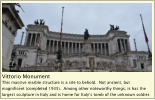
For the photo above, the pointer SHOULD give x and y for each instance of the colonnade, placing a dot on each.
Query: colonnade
(33, 39)
(76, 47)
(123, 45)
(67, 47)
(100, 48)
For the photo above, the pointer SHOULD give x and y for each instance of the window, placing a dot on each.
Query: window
(41, 60)
(47, 44)
(119, 45)
(19, 62)
(142, 65)
(134, 63)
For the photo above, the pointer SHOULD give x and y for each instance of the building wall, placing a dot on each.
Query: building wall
(140, 58)
(7, 46)
(10, 23)
(28, 56)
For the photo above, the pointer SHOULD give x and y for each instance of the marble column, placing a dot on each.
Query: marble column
(49, 46)
(76, 47)
(35, 44)
(71, 47)
(105, 52)
(30, 39)
(94, 48)
(107, 48)
(128, 45)
(124, 45)
(27, 39)
(33, 39)
(121, 46)
(97, 47)
(52, 46)
(64, 47)
(79, 48)
(117, 46)
(101, 49)
(68, 47)
(55, 46)
(38, 39)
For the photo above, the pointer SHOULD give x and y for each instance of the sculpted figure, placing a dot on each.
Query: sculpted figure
(86, 34)
(40, 22)
(111, 27)
(36, 22)
(117, 27)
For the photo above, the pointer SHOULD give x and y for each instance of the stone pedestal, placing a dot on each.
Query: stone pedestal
(87, 47)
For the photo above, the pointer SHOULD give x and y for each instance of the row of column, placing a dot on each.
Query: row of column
(100, 48)
(33, 39)
(123, 45)
(72, 47)
(67, 47)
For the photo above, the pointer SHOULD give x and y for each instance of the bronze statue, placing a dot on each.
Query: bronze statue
(36, 22)
(112, 27)
(42, 22)
(86, 34)
(117, 27)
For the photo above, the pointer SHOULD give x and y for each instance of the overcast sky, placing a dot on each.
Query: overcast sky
(96, 17)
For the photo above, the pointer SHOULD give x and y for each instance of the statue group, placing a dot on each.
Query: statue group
(114, 28)
(40, 22)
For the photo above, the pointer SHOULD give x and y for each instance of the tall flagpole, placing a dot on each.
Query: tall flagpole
(21, 38)
(135, 45)
(61, 26)
(146, 38)
(59, 53)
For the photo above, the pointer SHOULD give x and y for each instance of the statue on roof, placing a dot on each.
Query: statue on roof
(112, 27)
(86, 34)
(40, 22)
(117, 27)
(36, 22)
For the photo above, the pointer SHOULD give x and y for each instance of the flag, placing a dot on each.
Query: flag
(146, 38)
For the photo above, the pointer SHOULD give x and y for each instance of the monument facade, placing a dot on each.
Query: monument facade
(80, 53)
